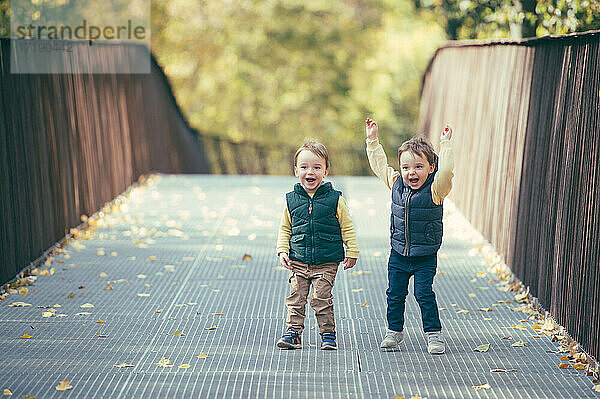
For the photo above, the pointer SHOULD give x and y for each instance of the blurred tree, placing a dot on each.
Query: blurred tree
(470, 19)
(278, 71)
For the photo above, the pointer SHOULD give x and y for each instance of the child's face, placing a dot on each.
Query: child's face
(310, 169)
(415, 169)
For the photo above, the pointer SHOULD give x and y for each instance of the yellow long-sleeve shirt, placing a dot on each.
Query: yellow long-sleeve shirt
(343, 216)
(442, 182)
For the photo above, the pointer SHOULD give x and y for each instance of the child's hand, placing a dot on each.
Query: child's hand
(349, 263)
(284, 259)
(446, 133)
(371, 129)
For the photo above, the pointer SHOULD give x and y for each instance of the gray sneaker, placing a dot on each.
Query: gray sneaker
(392, 339)
(436, 344)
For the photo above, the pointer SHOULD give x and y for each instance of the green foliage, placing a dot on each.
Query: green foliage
(279, 71)
(472, 19)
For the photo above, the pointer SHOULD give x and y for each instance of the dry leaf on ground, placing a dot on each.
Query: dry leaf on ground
(482, 348)
(19, 305)
(519, 344)
(247, 257)
(484, 386)
(63, 386)
(87, 305)
(185, 366)
(365, 305)
(164, 362)
(122, 365)
(26, 336)
(503, 370)
(202, 356)
(211, 328)
(7, 392)
(563, 365)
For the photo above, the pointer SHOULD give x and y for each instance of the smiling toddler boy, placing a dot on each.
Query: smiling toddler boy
(418, 192)
(314, 228)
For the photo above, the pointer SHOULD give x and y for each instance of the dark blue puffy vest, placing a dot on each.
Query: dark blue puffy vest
(416, 221)
(316, 234)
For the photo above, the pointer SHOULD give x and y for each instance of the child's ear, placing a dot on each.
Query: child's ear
(296, 170)
(326, 172)
(431, 168)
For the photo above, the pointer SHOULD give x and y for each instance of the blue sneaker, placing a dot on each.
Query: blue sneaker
(290, 340)
(328, 341)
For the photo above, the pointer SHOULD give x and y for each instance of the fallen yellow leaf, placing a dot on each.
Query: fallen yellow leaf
(365, 305)
(109, 287)
(596, 388)
(164, 362)
(158, 311)
(202, 356)
(484, 386)
(179, 334)
(19, 305)
(357, 290)
(482, 348)
(519, 344)
(100, 321)
(211, 328)
(120, 366)
(184, 366)
(143, 295)
(87, 305)
(247, 257)
(63, 386)
(7, 392)
(462, 311)
(485, 309)
(472, 295)
(26, 336)
(563, 365)
(23, 291)
(218, 314)
(103, 275)
(579, 366)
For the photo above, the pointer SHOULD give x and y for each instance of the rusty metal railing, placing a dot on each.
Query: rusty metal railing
(527, 155)
(71, 142)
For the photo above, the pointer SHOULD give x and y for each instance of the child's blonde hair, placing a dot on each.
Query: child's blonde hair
(418, 146)
(316, 148)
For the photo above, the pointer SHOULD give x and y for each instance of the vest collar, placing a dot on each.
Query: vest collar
(323, 188)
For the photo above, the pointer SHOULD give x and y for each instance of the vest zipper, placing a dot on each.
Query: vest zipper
(312, 230)
(406, 230)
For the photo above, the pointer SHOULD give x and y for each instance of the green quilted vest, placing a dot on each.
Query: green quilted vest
(316, 234)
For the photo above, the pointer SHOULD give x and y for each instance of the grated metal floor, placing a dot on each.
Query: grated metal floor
(173, 256)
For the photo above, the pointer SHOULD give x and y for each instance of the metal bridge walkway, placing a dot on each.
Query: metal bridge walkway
(188, 301)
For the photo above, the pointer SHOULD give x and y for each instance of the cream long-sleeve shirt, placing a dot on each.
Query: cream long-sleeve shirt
(343, 216)
(442, 182)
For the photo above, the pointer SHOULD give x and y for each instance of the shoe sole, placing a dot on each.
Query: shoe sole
(437, 352)
(286, 345)
(395, 347)
(328, 348)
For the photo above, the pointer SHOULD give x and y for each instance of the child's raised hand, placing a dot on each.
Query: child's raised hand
(349, 263)
(371, 129)
(284, 259)
(446, 133)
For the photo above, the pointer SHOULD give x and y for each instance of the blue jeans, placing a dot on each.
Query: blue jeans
(400, 270)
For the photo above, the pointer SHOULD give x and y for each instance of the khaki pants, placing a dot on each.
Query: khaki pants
(321, 277)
